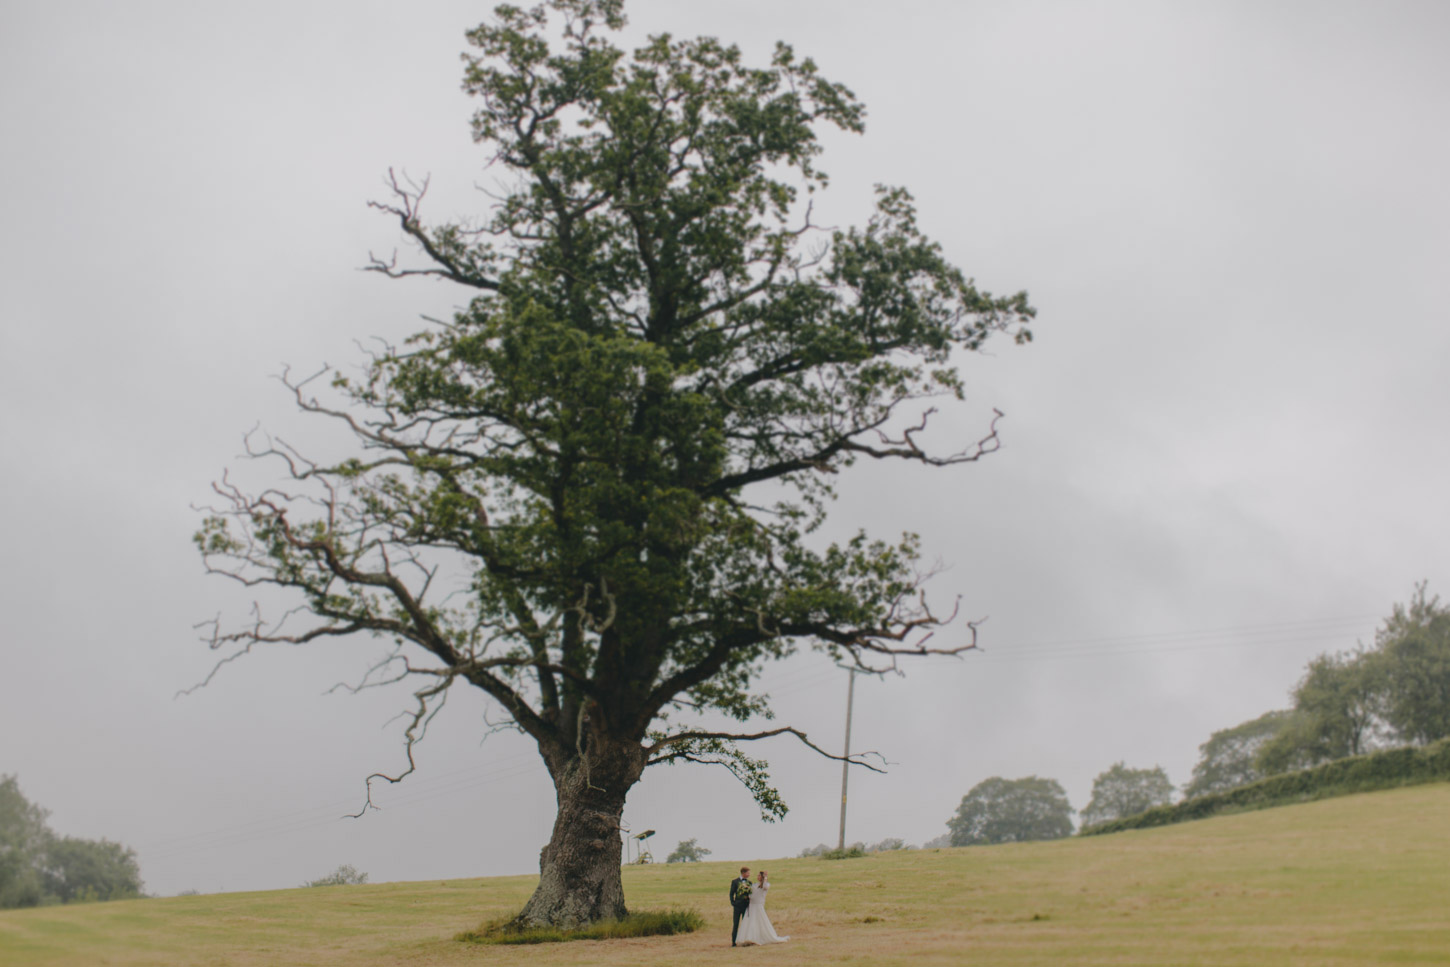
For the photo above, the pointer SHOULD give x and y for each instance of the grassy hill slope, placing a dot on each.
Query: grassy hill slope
(1357, 880)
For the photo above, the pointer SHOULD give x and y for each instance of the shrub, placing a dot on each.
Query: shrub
(344, 875)
(849, 853)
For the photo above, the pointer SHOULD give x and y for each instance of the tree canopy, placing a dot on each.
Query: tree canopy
(592, 492)
(1001, 810)
(688, 851)
(1395, 692)
(24, 837)
(38, 867)
(1415, 669)
(1121, 791)
(1230, 756)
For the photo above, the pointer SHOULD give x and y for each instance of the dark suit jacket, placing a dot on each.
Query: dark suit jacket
(735, 900)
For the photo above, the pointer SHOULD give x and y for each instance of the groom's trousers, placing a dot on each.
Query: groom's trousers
(740, 909)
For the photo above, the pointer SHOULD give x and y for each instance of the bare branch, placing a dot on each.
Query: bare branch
(409, 199)
(654, 750)
(415, 732)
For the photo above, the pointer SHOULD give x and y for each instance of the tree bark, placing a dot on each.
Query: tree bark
(579, 870)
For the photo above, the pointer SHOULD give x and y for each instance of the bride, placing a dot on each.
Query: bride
(755, 927)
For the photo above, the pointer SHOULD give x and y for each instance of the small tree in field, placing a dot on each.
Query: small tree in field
(687, 852)
(1121, 791)
(1001, 810)
(591, 493)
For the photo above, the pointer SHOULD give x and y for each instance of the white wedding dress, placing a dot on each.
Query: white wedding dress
(755, 926)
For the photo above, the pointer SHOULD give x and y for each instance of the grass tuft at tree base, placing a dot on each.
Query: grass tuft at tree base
(855, 852)
(648, 923)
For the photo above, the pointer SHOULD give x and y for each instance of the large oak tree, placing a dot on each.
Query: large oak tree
(592, 492)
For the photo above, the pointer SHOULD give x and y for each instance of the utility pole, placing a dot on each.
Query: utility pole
(846, 766)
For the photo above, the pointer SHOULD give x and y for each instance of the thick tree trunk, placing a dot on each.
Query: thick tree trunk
(579, 871)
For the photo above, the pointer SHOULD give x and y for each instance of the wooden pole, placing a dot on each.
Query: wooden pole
(846, 766)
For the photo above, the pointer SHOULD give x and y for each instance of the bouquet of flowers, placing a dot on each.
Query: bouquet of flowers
(744, 890)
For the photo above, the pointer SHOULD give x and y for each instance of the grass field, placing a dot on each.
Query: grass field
(1359, 880)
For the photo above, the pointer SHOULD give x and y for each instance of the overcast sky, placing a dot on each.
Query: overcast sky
(1226, 451)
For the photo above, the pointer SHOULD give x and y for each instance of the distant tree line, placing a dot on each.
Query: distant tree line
(888, 845)
(1393, 694)
(39, 867)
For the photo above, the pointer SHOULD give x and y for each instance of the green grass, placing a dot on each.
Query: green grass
(649, 923)
(1357, 880)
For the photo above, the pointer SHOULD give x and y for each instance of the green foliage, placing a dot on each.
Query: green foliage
(627, 435)
(687, 852)
(1121, 791)
(24, 838)
(344, 875)
(1386, 769)
(38, 868)
(653, 923)
(1001, 810)
(84, 870)
(849, 853)
(1337, 705)
(1415, 669)
(1229, 757)
(888, 845)
(1397, 691)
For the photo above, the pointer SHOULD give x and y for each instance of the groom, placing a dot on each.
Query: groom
(739, 900)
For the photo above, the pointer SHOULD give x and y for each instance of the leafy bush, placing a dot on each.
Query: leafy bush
(651, 923)
(849, 853)
(889, 844)
(344, 875)
(1388, 769)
